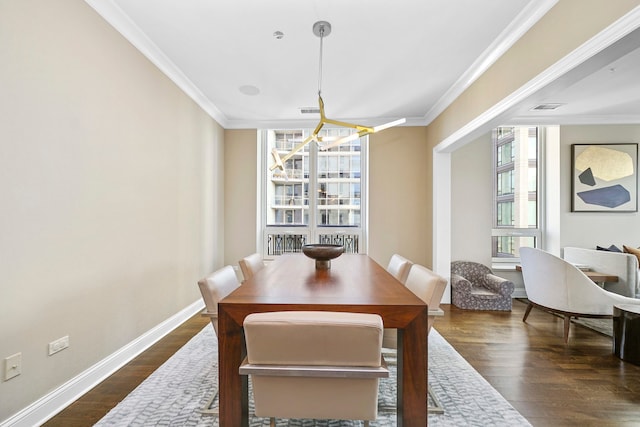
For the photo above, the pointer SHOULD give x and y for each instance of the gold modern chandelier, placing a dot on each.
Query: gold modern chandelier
(322, 29)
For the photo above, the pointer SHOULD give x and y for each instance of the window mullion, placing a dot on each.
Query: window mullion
(283, 230)
(515, 223)
(313, 191)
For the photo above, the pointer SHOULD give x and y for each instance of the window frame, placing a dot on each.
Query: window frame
(298, 234)
(537, 232)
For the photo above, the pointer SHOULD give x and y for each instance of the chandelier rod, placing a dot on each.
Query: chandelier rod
(323, 29)
(320, 61)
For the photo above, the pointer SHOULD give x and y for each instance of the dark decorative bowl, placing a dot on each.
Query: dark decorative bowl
(323, 254)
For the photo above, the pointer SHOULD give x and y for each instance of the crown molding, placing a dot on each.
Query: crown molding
(526, 19)
(114, 15)
(313, 122)
(627, 119)
(613, 33)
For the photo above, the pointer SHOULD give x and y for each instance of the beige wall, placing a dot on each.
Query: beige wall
(569, 24)
(400, 194)
(111, 182)
(240, 194)
(110, 208)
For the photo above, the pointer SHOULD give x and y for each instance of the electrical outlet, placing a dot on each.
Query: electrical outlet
(58, 345)
(12, 366)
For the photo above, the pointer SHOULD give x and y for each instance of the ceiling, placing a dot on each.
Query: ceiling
(604, 89)
(382, 60)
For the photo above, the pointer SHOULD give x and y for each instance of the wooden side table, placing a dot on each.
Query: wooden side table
(597, 277)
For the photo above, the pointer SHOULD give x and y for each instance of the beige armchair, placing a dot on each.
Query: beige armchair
(555, 285)
(213, 288)
(314, 364)
(250, 265)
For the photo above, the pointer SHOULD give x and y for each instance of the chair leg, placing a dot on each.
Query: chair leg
(527, 311)
(272, 422)
(366, 423)
(208, 410)
(567, 322)
(437, 407)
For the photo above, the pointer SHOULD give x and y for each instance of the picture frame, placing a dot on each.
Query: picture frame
(604, 177)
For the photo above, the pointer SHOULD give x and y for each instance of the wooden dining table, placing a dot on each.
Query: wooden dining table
(354, 283)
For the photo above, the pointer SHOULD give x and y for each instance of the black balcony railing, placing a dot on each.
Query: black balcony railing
(278, 244)
(349, 241)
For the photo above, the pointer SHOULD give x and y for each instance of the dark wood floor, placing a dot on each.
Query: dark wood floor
(550, 383)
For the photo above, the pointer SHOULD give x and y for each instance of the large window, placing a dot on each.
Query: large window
(517, 198)
(318, 198)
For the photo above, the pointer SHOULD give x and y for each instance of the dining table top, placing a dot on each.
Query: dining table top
(353, 283)
(352, 280)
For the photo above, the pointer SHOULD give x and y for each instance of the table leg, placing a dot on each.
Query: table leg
(412, 373)
(233, 388)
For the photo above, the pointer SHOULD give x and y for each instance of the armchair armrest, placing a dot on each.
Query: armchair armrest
(460, 284)
(500, 285)
(320, 371)
(206, 313)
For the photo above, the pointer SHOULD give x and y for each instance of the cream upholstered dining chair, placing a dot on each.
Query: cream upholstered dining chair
(399, 267)
(213, 288)
(555, 285)
(250, 265)
(314, 364)
(429, 287)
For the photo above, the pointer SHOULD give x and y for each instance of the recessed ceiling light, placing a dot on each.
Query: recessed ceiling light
(278, 35)
(249, 90)
(546, 107)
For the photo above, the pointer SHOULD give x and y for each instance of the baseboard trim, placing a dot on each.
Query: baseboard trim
(49, 405)
(519, 293)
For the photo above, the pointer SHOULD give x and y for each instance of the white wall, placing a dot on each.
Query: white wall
(472, 201)
(585, 229)
(111, 206)
(472, 207)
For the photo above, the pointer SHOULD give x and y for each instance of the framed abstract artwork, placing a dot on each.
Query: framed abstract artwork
(604, 177)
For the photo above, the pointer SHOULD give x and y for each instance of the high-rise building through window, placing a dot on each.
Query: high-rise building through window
(516, 195)
(319, 196)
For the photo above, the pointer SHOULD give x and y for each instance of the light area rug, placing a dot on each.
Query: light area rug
(176, 392)
(603, 326)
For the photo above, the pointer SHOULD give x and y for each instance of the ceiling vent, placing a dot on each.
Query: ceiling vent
(546, 107)
(309, 110)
